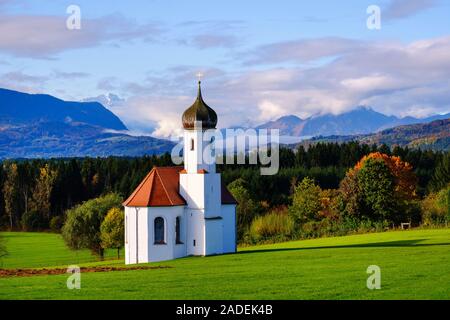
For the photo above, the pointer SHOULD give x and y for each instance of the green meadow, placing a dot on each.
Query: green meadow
(414, 265)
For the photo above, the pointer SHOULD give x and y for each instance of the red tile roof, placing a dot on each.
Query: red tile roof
(160, 188)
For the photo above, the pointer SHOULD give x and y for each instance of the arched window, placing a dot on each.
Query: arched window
(159, 231)
(192, 144)
(178, 231)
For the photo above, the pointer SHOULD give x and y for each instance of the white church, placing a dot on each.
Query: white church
(177, 212)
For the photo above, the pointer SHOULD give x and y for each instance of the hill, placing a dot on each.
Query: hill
(23, 108)
(42, 126)
(362, 120)
(414, 265)
(434, 135)
(60, 140)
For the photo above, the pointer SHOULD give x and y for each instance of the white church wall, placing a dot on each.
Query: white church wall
(169, 250)
(136, 247)
(202, 191)
(130, 243)
(180, 248)
(229, 225)
(192, 190)
(213, 195)
(214, 235)
(195, 232)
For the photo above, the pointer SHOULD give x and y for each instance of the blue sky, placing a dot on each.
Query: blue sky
(261, 59)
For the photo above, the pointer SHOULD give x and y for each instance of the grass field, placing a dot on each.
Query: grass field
(414, 265)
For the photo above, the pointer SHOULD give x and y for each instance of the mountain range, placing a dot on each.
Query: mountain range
(433, 135)
(362, 120)
(42, 126)
(17, 108)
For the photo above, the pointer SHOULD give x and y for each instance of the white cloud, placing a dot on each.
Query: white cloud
(303, 50)
(45, 36)
(398, 9)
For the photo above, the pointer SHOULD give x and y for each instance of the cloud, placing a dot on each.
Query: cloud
(398, 9)
(211, 34)
(20, 81)
(303, 50)
(69, 75)
(46, 36)
(392, 77)
(206, 41)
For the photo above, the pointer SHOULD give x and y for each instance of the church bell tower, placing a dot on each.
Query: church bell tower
(200, 185)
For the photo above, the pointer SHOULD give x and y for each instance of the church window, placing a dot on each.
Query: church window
(159, 231)
(178, 231)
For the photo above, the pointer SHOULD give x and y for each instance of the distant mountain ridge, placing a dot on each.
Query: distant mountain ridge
(42, 126)
(362, 120)
(434, 135)
(61, 140)
(17, 108)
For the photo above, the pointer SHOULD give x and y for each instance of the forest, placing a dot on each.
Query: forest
(36, 194)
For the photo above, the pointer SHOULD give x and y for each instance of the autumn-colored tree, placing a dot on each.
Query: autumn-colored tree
(306, 202)
(329, 204)
(351, 194)
(404, 177)
(380, 186)
(377, 185)
(436, 207)
(43, 191)
(11, 192)
(112, 230)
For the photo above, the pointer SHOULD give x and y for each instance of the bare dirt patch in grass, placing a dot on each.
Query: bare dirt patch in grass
(40, 272)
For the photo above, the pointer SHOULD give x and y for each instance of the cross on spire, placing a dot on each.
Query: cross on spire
(199, 76)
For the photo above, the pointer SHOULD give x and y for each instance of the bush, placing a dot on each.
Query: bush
(56, 223)
(436, 208)
(33, 221)
(276, 224)
(306, 202)
(82, 226)
(247, 208)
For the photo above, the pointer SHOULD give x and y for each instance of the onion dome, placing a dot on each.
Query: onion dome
(199, 112)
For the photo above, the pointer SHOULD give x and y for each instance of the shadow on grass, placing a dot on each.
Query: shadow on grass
(389, 244)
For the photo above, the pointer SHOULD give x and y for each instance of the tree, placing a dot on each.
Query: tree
(33, 221)
(306, 202)
(377, 185)
(441, 176)
(43, 191)
(112, 231)
(404, 177)
(11, 193)
(82, 226)
(350, 191)
(436, 207)
(247, 209)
